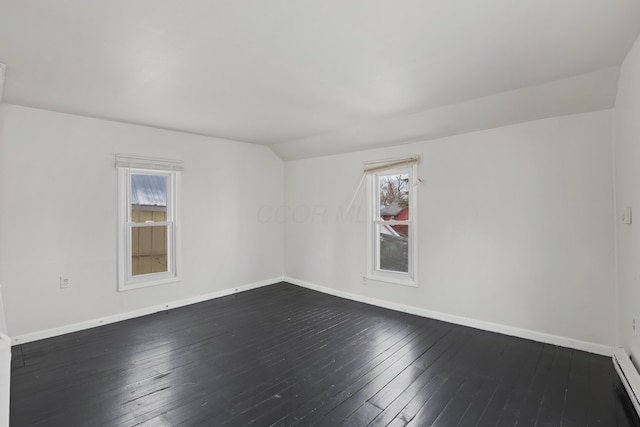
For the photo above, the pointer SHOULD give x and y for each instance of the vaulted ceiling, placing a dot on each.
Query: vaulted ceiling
(310, 78)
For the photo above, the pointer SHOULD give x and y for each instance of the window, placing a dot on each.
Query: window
(392, 242)
(148, 227)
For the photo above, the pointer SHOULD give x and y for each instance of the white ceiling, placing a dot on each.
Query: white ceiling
(316, 77)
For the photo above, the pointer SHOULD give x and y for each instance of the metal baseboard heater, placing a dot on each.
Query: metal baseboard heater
(628, 375)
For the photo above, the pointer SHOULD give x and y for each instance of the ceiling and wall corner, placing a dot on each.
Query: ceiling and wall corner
(316, 78)
(578, 94)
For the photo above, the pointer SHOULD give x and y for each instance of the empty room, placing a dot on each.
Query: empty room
(331, 213)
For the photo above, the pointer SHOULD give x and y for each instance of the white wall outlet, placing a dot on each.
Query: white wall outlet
(65, 282)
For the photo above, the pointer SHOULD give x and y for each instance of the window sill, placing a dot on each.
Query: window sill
(146, 283)
(413, 283)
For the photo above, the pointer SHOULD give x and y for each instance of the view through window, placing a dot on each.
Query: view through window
(393, 225)
(149, 226)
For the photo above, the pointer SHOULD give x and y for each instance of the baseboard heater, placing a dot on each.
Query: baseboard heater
(628, 375)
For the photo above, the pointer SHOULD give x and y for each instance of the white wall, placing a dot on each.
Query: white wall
(515, 222)
(58, 216)
(627, 159)
(515, 225)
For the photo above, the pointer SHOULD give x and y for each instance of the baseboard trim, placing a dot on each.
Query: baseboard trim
(74, 327)
(459, 320)
(464, 321)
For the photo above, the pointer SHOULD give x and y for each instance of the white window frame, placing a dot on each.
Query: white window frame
(128, 166)
(374, 272)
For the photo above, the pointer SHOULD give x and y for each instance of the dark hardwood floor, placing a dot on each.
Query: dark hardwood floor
(287, 356)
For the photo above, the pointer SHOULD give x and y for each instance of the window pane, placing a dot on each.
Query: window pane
(394, 197)
(149, 249)
(148, 198)
(394, 247)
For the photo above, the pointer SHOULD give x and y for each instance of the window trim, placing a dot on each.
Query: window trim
(126, 281)
(373, 240)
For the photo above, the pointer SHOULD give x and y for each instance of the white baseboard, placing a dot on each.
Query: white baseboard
(61, 330)
(459, 320)
(464, 321)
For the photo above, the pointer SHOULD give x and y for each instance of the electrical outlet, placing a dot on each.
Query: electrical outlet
(634, 325)
(65, 282)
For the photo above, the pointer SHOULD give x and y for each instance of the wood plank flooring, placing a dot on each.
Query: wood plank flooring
(287, 356)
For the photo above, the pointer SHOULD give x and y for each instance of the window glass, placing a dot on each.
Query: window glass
(148, 197)
(393, 249)
(149, 249)
(394, 196)
(148, 205)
